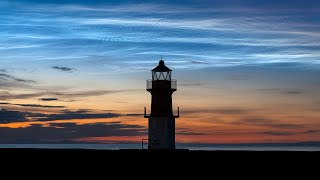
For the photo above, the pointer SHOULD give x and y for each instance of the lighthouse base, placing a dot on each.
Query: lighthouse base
(161, 133)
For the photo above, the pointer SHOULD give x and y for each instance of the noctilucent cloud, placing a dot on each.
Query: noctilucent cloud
(75, 70)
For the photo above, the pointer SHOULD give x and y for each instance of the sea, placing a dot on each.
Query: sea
(205, 147)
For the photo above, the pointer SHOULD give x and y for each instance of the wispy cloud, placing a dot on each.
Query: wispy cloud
(85, 93)
(9, 96)
(312, 131)
(9, 116)
(265, 122)
(290, 133)
(292, 92)
(73, 94)
(199, 62)
(281, 91)
(277, 133)
(169, 8)
(10, 82)
(48, 99)
(184, 131)
(88, 93)
(270, 26)
(62, 68)
(76, 115)
(31, 105)
(217, 36)
(190, 84)
(6, 77)
(225, 111)
(38, 105)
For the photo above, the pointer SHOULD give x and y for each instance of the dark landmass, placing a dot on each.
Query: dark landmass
(305, 143)
(158, 155)
(161, 164)
(286, 146)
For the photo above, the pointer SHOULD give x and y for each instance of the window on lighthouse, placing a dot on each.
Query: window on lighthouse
(161, 75)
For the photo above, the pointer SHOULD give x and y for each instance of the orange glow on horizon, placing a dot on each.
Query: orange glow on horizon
(226, 129)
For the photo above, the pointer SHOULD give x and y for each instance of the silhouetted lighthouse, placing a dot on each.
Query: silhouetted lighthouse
(161, 120)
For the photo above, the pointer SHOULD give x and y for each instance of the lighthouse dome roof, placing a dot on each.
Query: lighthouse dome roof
(161, 67)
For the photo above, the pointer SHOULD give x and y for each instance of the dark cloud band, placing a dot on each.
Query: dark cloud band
(61, 68)
(67, 132)
(48, 99)
(7, 116)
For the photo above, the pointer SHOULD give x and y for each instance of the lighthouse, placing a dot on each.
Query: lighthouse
(161, 121)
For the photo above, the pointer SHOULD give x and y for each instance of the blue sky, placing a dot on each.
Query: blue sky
(190, 35)
(225, 54)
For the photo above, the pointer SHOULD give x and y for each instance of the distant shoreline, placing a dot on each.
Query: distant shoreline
(306, 146)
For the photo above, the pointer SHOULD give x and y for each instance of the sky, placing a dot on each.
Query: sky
(75, 71)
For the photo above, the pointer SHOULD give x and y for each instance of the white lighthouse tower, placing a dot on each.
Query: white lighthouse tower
(161, 134)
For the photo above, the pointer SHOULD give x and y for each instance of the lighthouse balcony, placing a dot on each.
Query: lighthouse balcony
(157, 84)
(168, 115)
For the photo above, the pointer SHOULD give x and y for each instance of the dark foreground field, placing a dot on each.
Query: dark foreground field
(160, 155)
(138, 163)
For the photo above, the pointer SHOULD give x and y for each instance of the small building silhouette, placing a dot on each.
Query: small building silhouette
(161, 123)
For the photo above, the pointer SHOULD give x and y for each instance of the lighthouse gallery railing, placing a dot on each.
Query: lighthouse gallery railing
(173, 84)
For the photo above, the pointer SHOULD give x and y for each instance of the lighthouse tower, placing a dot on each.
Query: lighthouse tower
(161, 119)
